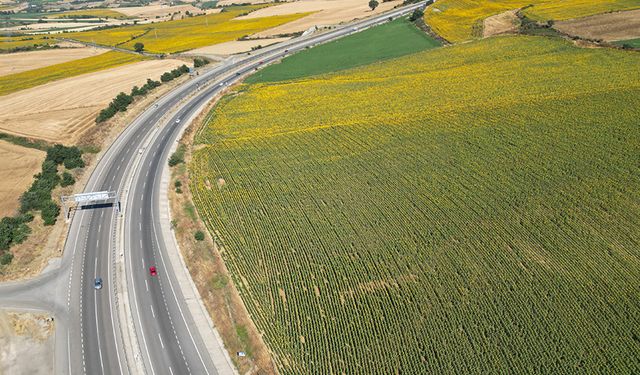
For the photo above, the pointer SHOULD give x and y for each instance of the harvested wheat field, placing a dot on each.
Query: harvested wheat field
(67, 108)
(609, 27)
(153, 11)
(22, 61)
(327, 12)
(18, 166)
(236, 46)
(224, 3)
(503, 23)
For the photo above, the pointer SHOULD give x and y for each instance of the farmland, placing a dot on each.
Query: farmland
(18, 166)
(185, 34)
(91, 13)
(9, 42)
(30, 78)
(393, 39)
(635, 43)
(460, 20)
(471, 209)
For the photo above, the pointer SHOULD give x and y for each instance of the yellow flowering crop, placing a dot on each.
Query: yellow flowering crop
(30, 78)
(460, 20)
(465, 210)
(186, 34)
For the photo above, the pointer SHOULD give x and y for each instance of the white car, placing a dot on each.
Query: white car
(177, 121)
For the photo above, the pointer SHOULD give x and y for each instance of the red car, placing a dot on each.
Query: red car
(152, 271)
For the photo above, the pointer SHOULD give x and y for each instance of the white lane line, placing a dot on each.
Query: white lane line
(111, 294)
(99, 229)
(147, 285)
(170, 370)
(95, 268)
(98, 244)
(142, 260)
(141, 243)
(140, 211)
(142, 197)
(95, 302)
(140, 226)
(152, 312)
(161, 343)
(69, 350)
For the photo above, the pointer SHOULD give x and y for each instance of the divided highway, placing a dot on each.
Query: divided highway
(165, 338)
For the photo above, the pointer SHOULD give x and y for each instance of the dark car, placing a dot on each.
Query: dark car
(152, 271)
(97, 284)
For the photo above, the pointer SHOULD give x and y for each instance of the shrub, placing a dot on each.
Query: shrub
(177, 157)
(50, 212)
(67, 179)
(138, 47)
(416, 15)
(199, 235)
(6, 258)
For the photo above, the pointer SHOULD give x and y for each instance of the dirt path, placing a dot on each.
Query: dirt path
(503, 23)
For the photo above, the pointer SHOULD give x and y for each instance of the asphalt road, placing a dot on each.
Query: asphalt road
(167, 338)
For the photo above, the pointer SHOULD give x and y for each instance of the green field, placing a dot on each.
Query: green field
(468, 210)
(635, 43)
(393, 39)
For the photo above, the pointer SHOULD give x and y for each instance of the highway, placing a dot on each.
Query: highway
(165, 339)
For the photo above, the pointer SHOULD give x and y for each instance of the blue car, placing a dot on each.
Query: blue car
(97, 284)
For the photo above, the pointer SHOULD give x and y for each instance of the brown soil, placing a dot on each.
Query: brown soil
(608, 27)
(236, 46)
(11, 63)
(63, 111)
(18, 166)
(503, 23)
(212, 279)
(327, 12)
(162, 11)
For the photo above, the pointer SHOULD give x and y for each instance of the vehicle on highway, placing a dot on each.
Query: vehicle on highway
(153, 271)
(177, 121)
(97, 283)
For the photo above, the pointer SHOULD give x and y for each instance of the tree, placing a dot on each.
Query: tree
(139, 47)
(416, 15)
(199, 236)
(6, 258)
(373, 4)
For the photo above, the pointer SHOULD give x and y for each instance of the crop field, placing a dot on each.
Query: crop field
(95, 13)
(9, 42)
(460, 20)
(635, 43)
(393, 39)
(30, 78)
(470, 210)
(185, 34)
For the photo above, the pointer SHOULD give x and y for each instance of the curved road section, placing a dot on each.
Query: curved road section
(143, 325)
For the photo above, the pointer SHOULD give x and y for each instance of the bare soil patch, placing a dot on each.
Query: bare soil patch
(11, 63)
(17, 168)
(236, 46)
(62, 111)
(327, 12)
(26, 343)
(608, 27)
(503, 23)
(209, 273)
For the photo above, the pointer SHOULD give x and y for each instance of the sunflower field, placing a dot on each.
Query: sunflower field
(469, 210)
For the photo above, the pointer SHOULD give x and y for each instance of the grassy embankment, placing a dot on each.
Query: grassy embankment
(393, 39)
(31, 78)
(186, 34)
(472, 209)
(460, 20)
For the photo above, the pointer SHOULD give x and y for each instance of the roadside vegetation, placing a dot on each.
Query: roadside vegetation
(22, 43)
(31, 78)
(393, 39)
(460, 20)
(631, 43)
(471, 209)
(188, 33)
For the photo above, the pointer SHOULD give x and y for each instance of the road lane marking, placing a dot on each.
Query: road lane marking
(161, 343)
(152, 312)
(95, 302)
(95, 268)
(147, 285)
(170, 370)
(140, 226)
